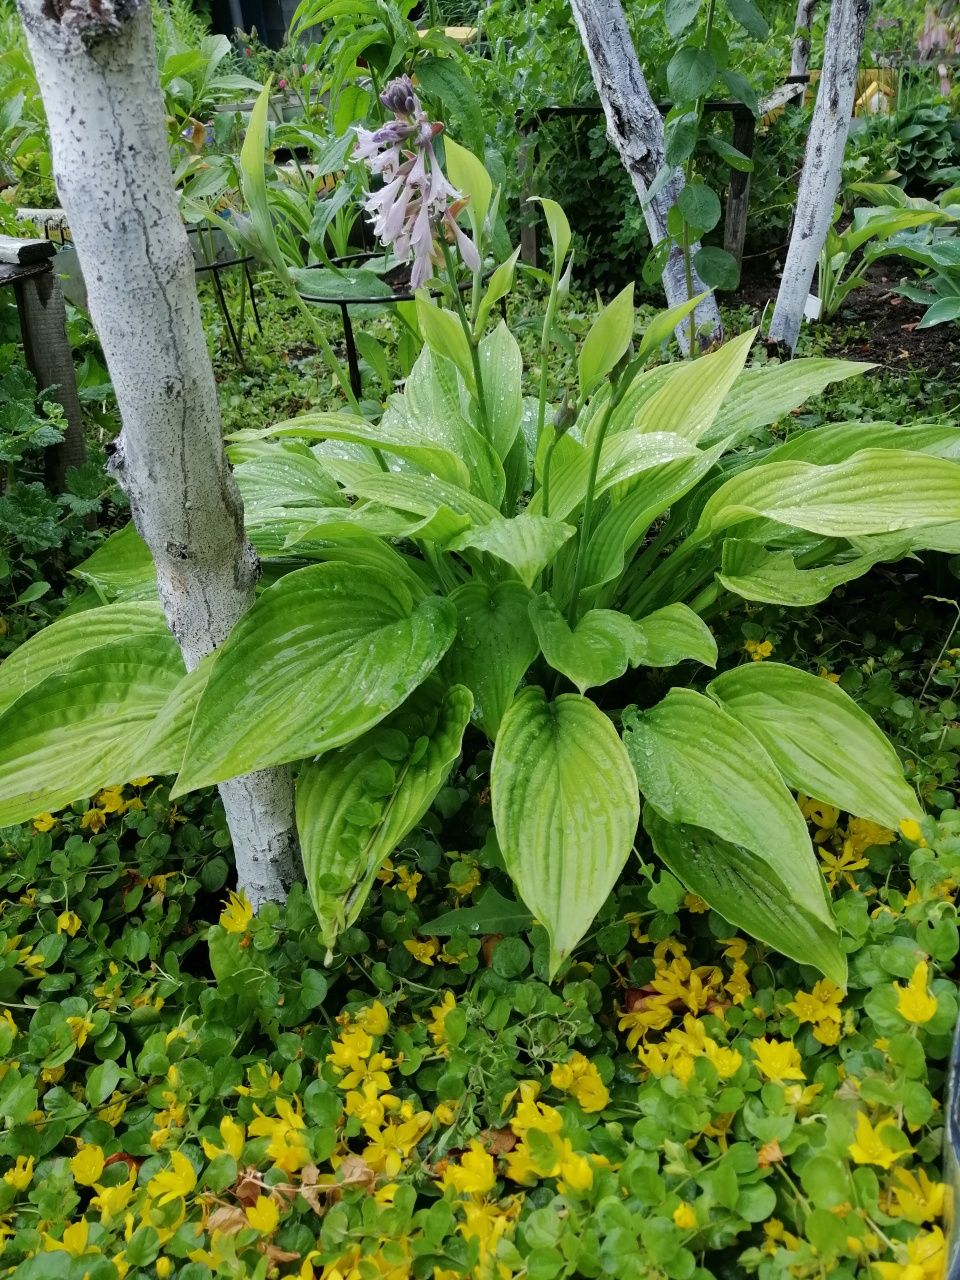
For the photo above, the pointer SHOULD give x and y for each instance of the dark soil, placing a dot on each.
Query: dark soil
(874, 323)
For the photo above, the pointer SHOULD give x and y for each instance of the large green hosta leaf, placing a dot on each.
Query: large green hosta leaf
(323, 655)
(501, 367)
(420, 495)
(819, 739)
(761, 396)
(699, 766)
(693, 392)
(596, 651)
(53, 650)
(565, 805)
(121, 568)
(875, 491)
(392, 435)
(356, 804)
(746, 891)
(88, 726)
(837, 441)
(495, 645)
(674, 634)
(283, 475)
(772, 577)
(526, 543)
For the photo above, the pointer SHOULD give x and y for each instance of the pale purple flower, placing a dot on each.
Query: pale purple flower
(416, 202)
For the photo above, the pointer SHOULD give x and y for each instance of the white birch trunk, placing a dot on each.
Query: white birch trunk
(822, 165)
(635, 129)
(97, 71)
(800, 52)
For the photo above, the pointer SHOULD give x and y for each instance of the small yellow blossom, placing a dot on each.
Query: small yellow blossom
(44, 822)
(474, 1175)
(579, 1076)
(821, 1008)
(407, 882)
(111, 800)
(113, 1201)
(93, 820)
(758, 649)
(173, 1183)
(915, 1197)
(264, 1215)
(87, 1165)
(21, 1175)
(924, 1258)
(909, 828)
(233, 1140)
(870, 1146)
(684, 1217)
(75, 1240)
(437, 1026)
(80, 1028)
(422, 951)
(915, 1002)
(69, 922)
(287, 1147)
(777, 1060)
(237, 914)
(374, 1019)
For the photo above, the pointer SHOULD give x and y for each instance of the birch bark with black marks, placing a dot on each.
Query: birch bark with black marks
(97, 71)
(822, 165)
(635, 129)
(800, 51)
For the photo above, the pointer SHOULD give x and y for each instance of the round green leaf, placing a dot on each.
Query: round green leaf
(700, 206)
(690, 73)
(717, 268)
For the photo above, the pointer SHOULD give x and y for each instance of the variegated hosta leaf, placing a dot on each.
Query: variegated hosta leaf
(355, 805)
(698, 766)
(693, 392)
(746, 890)
(819, 739)
(88, 726)
(495, 645)
(875, 491)
(53, 650)
(565, 805)
(324, 654)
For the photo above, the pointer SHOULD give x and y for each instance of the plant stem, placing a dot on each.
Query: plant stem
(468, 334)
(688, 174)
(547, 460)
(587, 521)
(544, 353)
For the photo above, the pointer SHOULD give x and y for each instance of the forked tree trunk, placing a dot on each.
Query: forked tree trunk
(822, 165)
(97, 72)
(635, 129)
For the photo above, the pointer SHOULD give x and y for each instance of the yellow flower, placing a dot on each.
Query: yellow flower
(111, 800)
(112, 1111)
(831, 676)
(264, 1215)
(437, 1025)
(467, 886)
(821, 1007)
(163, 1268)
(80, 1028)
(579, 1076)
(21, 1175)
(44, 822)
(374, 1019)
(93, 820)
(488, 1224)
(7, 1017)
(173, 1183)
(422, 951)
(862, 834)
(924, 1258)
(113, 1201)
(870, 1146)
(140, 782)
(914, 1002)
(915, 1197)
(287, 1147)
(684, 1217)
(777, 1060)
(237, 914)
(758, 649)
(474, 1175)
(909, 828)
(69, 922)
(407, 882)
(74, 1240)
(87, 1165)
(233, 1140)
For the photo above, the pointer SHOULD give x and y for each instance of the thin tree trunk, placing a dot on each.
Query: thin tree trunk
(635, 129)
(97, 71)
(822, 165)
(800, 52)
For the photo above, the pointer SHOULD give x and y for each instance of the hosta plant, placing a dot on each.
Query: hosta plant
(480, 561)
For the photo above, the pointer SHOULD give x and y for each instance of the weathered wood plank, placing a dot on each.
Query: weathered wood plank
(22, 252)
